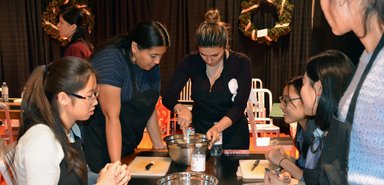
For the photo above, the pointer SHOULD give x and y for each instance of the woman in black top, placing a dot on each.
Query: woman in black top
(221, 83)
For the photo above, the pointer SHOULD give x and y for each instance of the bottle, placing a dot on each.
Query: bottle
(198, 158)
(4, 92)
(217, 148)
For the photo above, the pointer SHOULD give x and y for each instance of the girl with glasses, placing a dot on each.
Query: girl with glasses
(326, 78)
(48, 149)
(293, 109)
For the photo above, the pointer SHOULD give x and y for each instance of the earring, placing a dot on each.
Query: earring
(133, 58)
(318, 98)
(338, 3)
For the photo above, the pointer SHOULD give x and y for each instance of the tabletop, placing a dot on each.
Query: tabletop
(223, 168)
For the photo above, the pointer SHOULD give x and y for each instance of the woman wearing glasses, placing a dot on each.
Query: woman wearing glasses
(48, 149)
(293, 109)
(326, 78)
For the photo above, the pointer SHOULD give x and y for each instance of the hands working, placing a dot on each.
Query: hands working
(213, 134)
(276, 155)
(114, 173)
(184, 118)
(272, 178)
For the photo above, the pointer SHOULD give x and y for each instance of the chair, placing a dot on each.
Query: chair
(185, 94)
(257, 111)
(10, 131)
(7, 170)
(257, 83)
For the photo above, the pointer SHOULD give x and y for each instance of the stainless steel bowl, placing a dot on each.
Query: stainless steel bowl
(180, 148)
(188, 178)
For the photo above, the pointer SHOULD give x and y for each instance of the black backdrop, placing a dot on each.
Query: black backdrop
(24, 45)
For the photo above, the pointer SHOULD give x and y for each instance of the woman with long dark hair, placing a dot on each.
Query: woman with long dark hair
(74, 24)
(129, 86)
(48, 149)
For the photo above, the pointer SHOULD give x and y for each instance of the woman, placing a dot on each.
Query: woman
(293, 109)
(364, 145)
(74, 25)
(129, 86)
(221, 82)
(326, 78)
(48, 149)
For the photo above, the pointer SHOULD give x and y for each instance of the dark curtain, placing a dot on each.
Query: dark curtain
(24, 45)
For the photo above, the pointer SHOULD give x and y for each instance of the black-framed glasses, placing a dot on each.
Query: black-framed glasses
(286, 99)
(90, 98)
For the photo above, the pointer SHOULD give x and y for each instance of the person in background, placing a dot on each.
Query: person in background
(129, 85)
(292, 106)
(221, 82)
(48, 149)
(326, 78)
(74, 25)
(365, 18)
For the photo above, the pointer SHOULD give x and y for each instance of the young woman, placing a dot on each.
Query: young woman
(293, 109)
(48, 149)
(363, 140)
(74, 25)
(221, 82)
(129, 85)
(326, 78)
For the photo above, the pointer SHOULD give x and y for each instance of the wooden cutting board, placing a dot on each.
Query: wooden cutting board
(160, 167)
(257, 173)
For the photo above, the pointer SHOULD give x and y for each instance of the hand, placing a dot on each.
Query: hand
(114, 174)
(160, 146)
(213, 134)
(270, 178)
(275, 155)
(184, 118)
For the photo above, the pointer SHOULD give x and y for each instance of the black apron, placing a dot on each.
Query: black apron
(210, 107)
(333, 163)
(69, 177)
(134, 116)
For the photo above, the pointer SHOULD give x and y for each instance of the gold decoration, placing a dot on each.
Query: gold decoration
(267, 35)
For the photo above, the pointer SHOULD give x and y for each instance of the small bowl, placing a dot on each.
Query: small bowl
(190, 178)
(180, 149)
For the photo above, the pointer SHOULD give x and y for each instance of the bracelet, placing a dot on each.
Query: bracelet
(281, 160)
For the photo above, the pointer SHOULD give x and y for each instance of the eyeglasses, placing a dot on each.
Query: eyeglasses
(286, 99)
(90, 99)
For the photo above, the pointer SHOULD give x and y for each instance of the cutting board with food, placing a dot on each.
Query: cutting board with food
(149, 166)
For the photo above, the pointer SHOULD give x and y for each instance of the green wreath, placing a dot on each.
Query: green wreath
(267, 35)
(50, 20)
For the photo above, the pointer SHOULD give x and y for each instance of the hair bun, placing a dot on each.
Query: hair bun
(212, 16)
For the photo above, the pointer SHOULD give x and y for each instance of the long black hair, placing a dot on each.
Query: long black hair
(81, 17)
(39, 104)
(335, 71)
(146, 34)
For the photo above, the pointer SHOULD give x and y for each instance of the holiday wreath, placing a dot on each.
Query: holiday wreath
(50, 17)
(267, 35)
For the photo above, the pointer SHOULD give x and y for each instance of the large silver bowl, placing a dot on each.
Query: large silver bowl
(180, 148)
(188, 178)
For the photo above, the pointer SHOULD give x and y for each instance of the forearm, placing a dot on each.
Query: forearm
(292, 168)
(114, 139)
(154, 130)
(223, 124)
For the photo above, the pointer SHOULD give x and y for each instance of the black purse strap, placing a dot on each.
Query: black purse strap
(352, 105)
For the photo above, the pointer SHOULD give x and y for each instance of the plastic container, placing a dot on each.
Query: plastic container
(198, 158)
(4, 92)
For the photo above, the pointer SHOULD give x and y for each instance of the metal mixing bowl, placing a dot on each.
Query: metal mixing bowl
(188, 178)
(180, 148)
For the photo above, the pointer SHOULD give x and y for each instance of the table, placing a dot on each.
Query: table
(223, 168)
